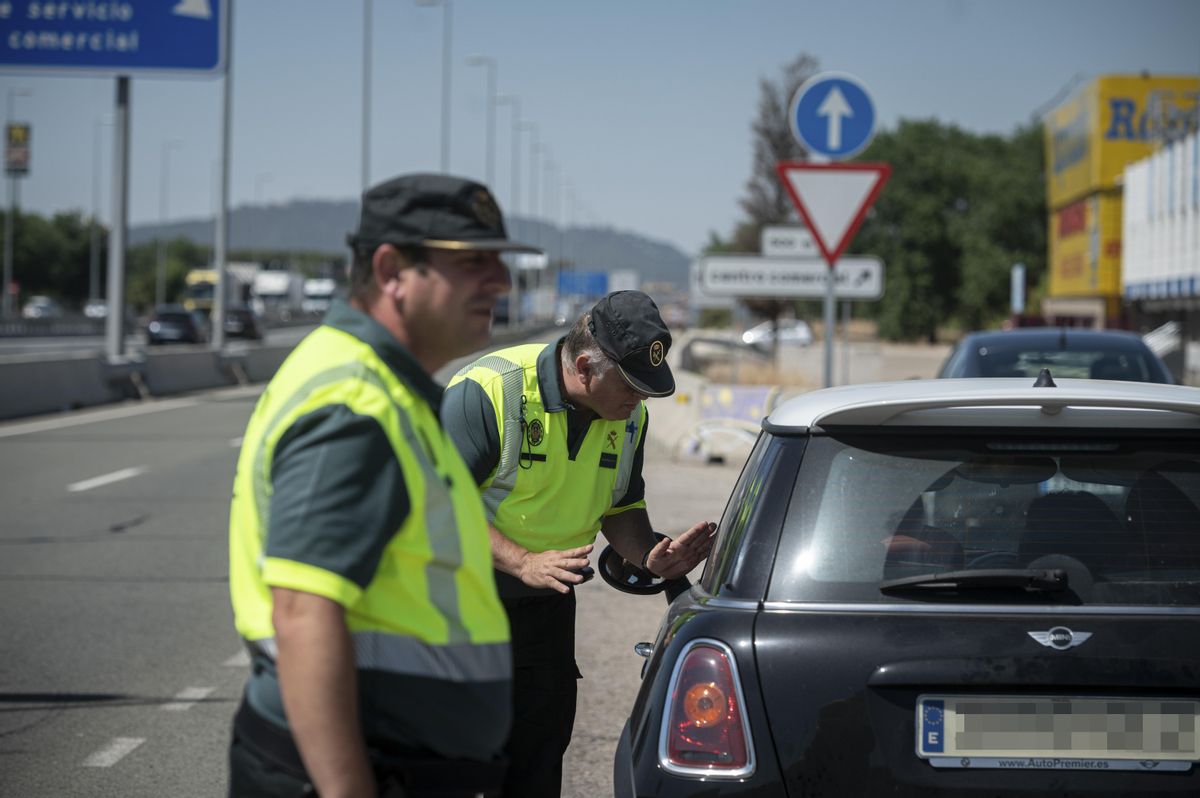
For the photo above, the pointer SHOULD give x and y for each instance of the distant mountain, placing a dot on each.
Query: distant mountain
(321, 226)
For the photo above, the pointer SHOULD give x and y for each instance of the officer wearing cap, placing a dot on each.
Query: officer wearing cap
(360, 567)
(554, 435)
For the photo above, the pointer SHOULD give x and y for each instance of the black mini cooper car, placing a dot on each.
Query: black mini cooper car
(941, 588)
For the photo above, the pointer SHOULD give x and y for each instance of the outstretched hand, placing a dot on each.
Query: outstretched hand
(674, 558)
(554, 569)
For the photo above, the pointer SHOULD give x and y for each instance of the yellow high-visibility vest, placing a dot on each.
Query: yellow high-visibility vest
(431, 608)
(538, 496)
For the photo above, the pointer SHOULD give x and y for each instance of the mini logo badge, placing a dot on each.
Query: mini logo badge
(1060, 638)
(536, 432)
(656, 354)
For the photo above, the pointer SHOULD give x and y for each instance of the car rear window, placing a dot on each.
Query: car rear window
(1096, 365)
(175, 318)
(1120, 514)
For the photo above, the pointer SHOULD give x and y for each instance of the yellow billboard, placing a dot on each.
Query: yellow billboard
(1085, 247)
(1110, 123)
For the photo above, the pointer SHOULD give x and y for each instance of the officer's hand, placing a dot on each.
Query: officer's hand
(554, 569)
(674, 558)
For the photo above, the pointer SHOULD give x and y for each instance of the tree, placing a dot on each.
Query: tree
(958, 211)
(766, 201)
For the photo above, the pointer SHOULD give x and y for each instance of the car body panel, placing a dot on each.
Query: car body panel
(833, 581)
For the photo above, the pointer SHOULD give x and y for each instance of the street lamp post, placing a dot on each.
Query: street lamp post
(6, 302)
(366, 95)
(534, 148)
(160, 286)
(490, 63)
(446, 58)
(511, 99)
(94, 243)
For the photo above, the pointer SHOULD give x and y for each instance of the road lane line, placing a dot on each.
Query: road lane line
(96, 417)
(238, 660)
(187, 698)
(113, 753)
(106, 479)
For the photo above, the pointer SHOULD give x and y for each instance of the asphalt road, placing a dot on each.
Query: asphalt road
(119, 665)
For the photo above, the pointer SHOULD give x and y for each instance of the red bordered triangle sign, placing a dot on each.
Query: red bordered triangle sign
(833, 198)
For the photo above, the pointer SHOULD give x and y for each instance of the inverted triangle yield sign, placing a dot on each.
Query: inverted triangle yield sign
(833, 198)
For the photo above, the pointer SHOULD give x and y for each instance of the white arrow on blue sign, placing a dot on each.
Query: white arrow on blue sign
(833, 116)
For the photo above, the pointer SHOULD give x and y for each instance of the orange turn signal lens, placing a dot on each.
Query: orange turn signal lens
(704, 705)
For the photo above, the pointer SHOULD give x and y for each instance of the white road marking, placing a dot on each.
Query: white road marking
(187, 698)
(238, 660)
(106, 479)
(74, 420)
(113, 753)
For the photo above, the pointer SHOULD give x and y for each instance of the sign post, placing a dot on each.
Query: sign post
(833, 117)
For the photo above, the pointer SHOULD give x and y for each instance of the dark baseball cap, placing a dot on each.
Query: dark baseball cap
(628, 328)
(433, 210)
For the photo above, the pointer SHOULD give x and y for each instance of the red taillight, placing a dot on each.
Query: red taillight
(705, 722)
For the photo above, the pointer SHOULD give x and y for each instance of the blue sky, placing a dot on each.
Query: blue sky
(645, 105)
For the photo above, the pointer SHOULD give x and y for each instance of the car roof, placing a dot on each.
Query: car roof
(1054, 337)
(992, 402)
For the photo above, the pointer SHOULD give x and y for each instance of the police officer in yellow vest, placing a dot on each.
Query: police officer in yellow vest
(554, 435)
(360, 568)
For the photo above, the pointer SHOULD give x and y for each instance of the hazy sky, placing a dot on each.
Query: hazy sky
(645, 105)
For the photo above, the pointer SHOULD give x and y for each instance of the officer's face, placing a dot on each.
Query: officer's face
(450, 301)
(610, 396)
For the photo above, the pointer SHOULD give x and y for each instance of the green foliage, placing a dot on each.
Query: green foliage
(50, 256)
(959, 211)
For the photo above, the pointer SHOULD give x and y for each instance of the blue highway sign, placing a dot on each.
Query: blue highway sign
(112, 37)
(832, 116)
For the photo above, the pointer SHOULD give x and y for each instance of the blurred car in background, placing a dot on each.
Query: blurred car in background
(175, 324)
(41, 307)
(95, 309)
(922, 588)
(791, 331)
(1066, 351)
(243, 323)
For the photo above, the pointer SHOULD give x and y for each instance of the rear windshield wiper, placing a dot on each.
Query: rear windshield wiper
(1046, 580)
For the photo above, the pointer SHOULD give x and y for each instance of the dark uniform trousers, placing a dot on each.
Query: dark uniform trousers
(544, 690)
(265, 763)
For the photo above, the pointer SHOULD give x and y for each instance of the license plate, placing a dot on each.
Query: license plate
(1058, 733)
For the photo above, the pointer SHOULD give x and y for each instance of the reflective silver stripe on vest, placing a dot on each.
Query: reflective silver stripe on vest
(512, 380)
(439, 507)
(625, 467)
(380, 651)
(465, 662)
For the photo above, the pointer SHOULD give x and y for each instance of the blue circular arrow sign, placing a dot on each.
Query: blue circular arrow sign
(833, 116)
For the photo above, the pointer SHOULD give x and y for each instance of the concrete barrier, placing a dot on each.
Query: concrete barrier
(35, 384)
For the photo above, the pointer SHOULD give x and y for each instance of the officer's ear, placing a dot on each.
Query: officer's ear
(390, 269)
(584, 368)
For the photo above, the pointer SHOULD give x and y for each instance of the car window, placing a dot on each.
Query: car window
(1120, 514)
(1099, 365)
(744, 503)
